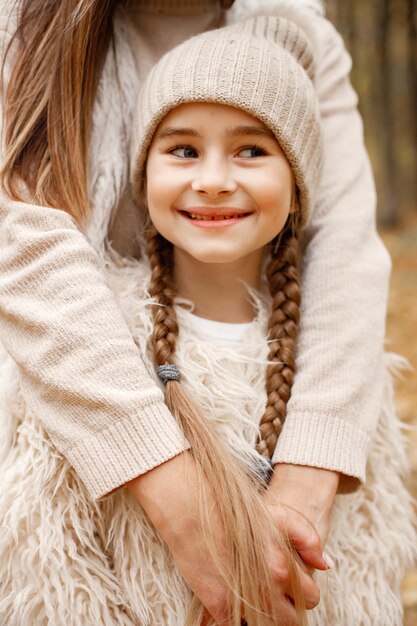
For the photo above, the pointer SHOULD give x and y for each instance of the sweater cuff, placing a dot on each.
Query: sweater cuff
(325, 442)
(127, 449)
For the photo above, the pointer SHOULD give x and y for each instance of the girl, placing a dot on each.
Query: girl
(102, 410)
(229, 130)
(230, 135)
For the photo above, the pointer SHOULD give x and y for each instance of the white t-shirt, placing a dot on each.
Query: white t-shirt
(212, 331)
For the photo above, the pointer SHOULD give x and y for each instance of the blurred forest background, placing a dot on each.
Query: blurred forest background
(381, 36)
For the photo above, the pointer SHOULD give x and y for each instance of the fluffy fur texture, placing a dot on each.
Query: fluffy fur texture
(68, 561)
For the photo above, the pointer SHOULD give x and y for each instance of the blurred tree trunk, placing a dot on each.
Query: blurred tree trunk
(412, 64)
(388, 193)
(346, 16)
(381, 36)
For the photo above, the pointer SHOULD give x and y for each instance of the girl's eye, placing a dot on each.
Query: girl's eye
(251, 152)
(185, 152)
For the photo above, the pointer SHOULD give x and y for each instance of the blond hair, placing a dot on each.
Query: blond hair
(239, 497)
(58, 51)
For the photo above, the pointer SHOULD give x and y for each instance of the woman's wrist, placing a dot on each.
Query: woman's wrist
(309, 490)
(159, 491)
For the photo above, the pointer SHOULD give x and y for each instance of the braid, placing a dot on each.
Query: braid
(284, 286)
(283, 278)
(243, 514)
(165, 327)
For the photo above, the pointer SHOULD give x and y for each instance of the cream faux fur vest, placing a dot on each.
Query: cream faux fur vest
(66, 560)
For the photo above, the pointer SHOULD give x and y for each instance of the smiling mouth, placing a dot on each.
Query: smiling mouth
(214, 218)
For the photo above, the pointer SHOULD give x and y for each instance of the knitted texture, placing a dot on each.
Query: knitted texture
(89, 563)
(264, 66)
(83, 376)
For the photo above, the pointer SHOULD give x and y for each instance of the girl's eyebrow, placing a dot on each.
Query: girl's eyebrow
(250, 130)
(172, 131)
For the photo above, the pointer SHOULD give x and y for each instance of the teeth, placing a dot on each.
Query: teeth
(207, 218)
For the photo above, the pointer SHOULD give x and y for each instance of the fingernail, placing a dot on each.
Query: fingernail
(328, 560)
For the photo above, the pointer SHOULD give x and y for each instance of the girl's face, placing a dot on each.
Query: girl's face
(219, 187)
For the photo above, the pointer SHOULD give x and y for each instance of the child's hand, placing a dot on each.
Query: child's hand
(169, 495)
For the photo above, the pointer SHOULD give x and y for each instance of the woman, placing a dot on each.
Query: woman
(81, 372)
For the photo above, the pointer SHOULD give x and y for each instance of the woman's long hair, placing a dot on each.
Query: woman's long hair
(57, 51)
(239, 499)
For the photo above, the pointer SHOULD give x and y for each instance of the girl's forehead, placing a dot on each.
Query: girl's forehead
(208, 116)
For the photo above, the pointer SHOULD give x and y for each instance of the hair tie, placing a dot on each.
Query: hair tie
(264, 473)
(168, 372)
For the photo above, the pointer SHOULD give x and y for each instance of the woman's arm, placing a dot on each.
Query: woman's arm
(334, 404)
(82, 374)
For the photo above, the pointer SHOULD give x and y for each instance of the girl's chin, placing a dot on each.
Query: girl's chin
(220, 257)
(215, 258)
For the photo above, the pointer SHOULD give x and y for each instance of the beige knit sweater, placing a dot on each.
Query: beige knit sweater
(83, 375)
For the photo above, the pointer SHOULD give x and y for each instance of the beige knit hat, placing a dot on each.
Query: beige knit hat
(264, 66)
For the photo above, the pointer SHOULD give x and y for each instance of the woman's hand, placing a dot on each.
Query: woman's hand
(310, 491)
(169, 494)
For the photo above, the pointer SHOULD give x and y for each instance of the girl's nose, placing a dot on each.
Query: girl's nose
(214, 178)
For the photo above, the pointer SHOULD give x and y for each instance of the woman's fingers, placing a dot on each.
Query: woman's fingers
(286, 612)
(281, 578)
(214, 595)
(309, 588)
(207, 619)
(170, 496)
(301, 534)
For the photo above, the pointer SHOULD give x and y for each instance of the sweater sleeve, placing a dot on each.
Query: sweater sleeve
(335, 400)
(82, 375)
